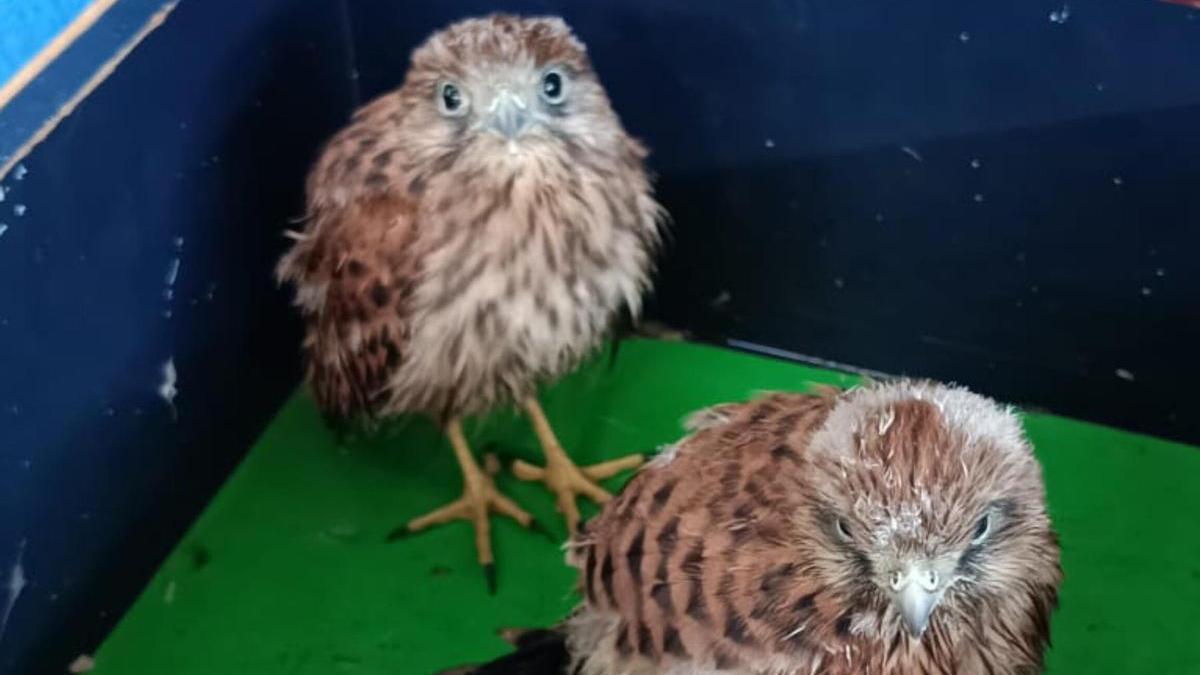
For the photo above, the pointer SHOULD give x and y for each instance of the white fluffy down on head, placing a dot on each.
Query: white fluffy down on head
(977, 417)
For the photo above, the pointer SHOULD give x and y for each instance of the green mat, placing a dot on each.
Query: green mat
(288, 571)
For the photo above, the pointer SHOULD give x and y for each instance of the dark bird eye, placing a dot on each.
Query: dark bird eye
(451, 99)
(843, 528)
(981, 529)
(554, 87)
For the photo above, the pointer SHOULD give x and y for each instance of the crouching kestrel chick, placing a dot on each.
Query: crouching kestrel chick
(898, 528)
(470, 235)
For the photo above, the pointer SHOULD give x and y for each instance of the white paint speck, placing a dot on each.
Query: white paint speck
(15, 586)
(172, 271)
(1146, 291)
(1060, 16)
(838, 282)
(1100, 87)
(769, 143)
(1118, 181)
(964, 36)
(978, 198)
(1124, 374)
(168, 294)
(212, 289)
(19, 210)
(178, 243)
(976, 163)
(912, 152)
(167, 313)
(721, 300)
(84, 663)
(3, 193)
(3, 229)
(1034, 289)
(167, 390)
(1160, 272)
(20, 172)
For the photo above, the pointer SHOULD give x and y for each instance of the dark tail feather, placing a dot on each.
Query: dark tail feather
(539, 652)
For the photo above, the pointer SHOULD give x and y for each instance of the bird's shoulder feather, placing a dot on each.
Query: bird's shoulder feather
(680, 558)
(355, 269)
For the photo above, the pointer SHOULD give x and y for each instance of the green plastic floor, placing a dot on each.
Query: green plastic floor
(288, 571)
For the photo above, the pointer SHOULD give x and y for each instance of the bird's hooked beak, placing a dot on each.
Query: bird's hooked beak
(508, 114)
(916, 590)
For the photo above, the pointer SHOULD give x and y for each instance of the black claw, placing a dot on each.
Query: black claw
(399, 533)
(489, 573)
(613, 352)
(541, 529)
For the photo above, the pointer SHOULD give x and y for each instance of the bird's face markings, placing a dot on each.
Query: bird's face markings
(910, 557)
(927, 519)
(502, 97)
(510, 100)
(517, 101)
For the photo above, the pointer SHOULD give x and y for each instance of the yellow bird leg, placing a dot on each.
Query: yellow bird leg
(561, 475)
(480, 497)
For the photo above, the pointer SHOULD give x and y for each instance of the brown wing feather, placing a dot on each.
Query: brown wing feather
(682, 555)
(355, 270)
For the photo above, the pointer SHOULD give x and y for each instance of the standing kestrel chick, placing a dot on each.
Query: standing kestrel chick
(898, 528)
(469, 235)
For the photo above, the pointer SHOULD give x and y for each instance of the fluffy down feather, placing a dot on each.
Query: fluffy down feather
(770, 542)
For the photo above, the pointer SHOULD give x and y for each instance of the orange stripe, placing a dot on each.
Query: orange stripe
(34, 67)
(88, 87)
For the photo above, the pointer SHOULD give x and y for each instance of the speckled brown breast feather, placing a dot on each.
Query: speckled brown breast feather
(357, 330)
(444, 268)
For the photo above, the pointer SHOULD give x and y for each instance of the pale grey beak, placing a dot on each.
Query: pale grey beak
(916, 592)
(916, 604)
(508, 115)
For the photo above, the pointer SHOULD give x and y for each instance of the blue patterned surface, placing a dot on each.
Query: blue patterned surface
(141, 233)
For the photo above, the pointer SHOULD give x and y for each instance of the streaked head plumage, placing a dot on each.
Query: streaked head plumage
(928, 503)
